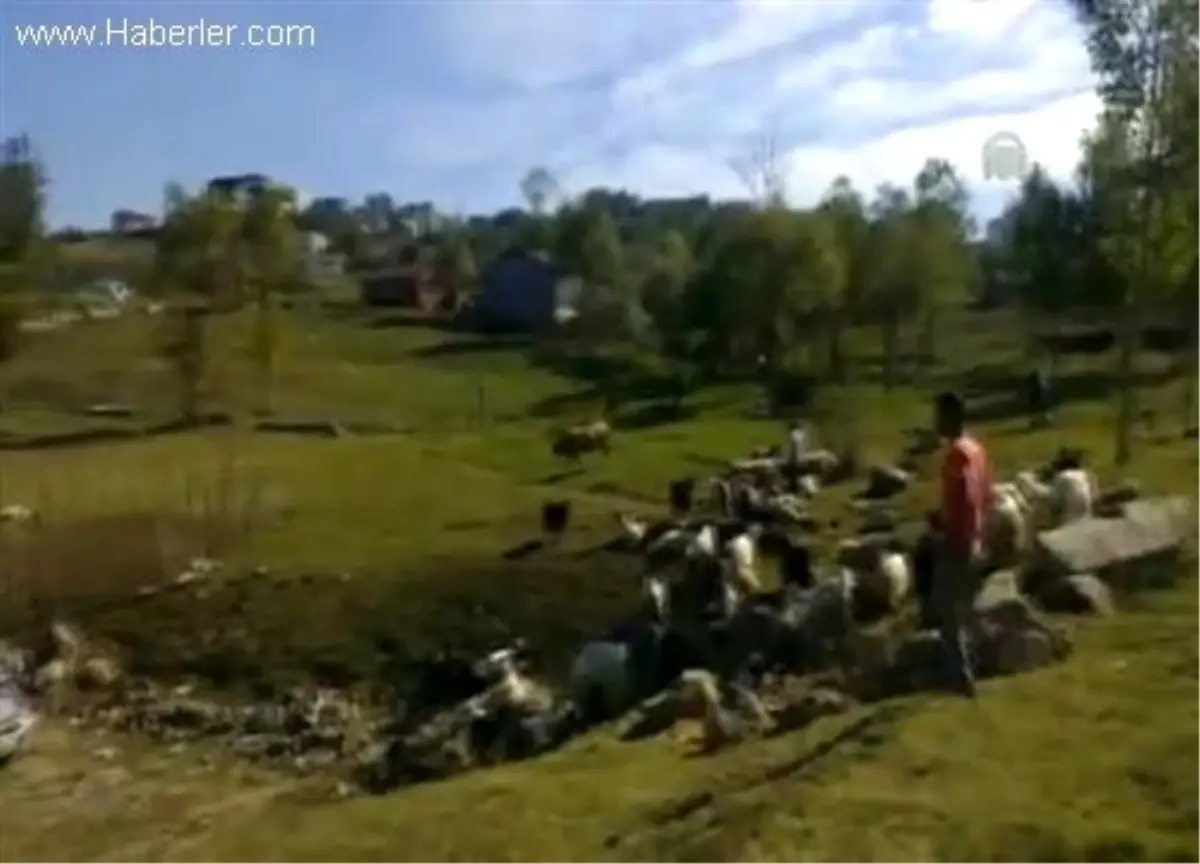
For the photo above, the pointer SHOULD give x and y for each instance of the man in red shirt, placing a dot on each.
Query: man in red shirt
(966, 491)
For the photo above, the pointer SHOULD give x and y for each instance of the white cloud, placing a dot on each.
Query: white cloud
(864, 88)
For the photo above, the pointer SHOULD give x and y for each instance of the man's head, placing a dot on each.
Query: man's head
(949, 414)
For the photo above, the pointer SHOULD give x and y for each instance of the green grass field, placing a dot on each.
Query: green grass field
(1092, 760)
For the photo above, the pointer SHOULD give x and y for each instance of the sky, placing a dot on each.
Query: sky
(454, 101)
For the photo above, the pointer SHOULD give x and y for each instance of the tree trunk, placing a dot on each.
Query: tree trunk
(889, 337)
(837, 360)
(929, 334)
(1187, 368)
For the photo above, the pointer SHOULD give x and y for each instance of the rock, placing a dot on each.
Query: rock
(17, 721)
(15, 664)
(920, 663)
(811, 706)
(877, 523)
(1011, 637)
(1137, 549)
(1079, 594)
(1111, 502)
(884, 481)
(184, 713)
(861, 553)
(52, 674)
(1001, 586)
(108, 409)
(100, 673)
(67, 639)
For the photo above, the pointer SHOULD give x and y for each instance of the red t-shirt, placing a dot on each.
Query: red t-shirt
(966, 493)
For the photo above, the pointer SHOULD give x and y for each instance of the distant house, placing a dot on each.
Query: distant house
(321, 264)
(523, 291)
(240, 186)
(130, 222)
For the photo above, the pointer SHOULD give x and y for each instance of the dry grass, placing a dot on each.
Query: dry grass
(1094, 760)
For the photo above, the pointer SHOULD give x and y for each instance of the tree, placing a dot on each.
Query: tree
(539, 187)
(843, 207)
(890, 289)
(1142, 158)
(22, 200)
(455, 266)
(763, 171)
(197, 263)
(759, 291)
(272, 259)
(24, 256)
(944, 263)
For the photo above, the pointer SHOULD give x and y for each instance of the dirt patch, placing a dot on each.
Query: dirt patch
(260, 634)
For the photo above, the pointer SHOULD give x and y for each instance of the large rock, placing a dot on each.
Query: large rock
(884, 481)
(997, 588)
(1080, 594)
(17, 719)
(1137, 549)
(1011, 637)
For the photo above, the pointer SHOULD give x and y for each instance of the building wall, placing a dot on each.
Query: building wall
(517, 293)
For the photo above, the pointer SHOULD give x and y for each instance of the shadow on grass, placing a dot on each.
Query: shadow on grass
(390, 320)
(469, 345)
(998, 394)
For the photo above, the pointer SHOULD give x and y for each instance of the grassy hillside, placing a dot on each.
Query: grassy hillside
(380, 546)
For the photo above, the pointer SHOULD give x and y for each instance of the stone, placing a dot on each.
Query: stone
(998, 587)
(1126, 551)
(1079, 594)
(884, 481)
(98, 673)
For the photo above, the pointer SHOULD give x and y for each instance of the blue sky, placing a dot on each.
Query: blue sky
(453, 101)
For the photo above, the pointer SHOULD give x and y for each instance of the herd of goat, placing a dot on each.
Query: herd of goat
(705, 626)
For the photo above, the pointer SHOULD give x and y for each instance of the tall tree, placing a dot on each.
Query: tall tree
(944, 263)
(844, 207)
(890, 287)
(539, 188)
(1143, 158)
(198, 262)
(273, 264)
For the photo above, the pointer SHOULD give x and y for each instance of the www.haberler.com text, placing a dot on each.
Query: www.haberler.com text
(149, 33)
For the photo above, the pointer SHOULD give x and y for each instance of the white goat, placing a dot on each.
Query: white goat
(703, 542)
(1074, 495)
(881, 589)
(1009, 523)
(742, 554)
(510, 687)
(1068, 497)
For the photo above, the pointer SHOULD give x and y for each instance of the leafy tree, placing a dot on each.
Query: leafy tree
(890, 284)
(271, 252)
(455, 266)
(198, 264)
(844, 208)
(944, 262)
(538, 188)
(1143, 161)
